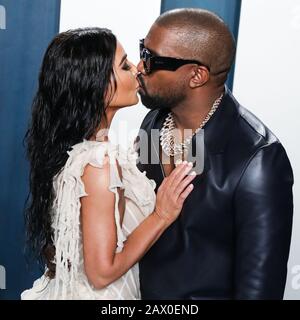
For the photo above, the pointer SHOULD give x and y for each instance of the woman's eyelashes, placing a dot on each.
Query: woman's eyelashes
(126, 66)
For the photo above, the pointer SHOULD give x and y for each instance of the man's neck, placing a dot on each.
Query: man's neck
(191, 113)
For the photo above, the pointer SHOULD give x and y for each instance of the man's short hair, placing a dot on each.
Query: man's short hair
(203, 36)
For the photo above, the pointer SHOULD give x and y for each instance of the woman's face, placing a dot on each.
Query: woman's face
(127, 84)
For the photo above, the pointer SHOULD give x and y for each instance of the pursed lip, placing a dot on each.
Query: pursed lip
(141, 90)
(141, 86)
(139, 82)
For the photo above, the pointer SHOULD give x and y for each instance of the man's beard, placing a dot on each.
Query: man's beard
(168, 100)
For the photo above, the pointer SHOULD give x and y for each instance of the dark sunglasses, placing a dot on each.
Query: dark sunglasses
(152, 62)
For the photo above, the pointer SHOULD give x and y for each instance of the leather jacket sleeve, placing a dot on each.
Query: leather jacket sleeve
(263, 206)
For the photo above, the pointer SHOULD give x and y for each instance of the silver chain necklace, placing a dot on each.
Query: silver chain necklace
(167, 139)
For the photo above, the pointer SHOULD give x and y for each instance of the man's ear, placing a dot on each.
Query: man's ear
(199, 77)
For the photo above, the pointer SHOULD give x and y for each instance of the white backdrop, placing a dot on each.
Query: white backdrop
(267, 82)
(129, 21)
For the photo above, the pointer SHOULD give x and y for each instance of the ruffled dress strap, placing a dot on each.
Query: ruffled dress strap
(69, 188)
(115, 183)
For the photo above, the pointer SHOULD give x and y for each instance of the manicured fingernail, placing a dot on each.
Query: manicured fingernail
(184, 162)
(193, 173)
(190, 164)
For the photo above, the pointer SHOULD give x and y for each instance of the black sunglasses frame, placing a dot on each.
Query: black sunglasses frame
(153, 63)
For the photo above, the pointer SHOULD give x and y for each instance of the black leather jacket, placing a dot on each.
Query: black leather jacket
(232, 238)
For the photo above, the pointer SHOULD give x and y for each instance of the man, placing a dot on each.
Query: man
(232, 238)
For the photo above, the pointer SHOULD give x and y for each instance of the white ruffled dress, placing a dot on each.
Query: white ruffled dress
(70, 281)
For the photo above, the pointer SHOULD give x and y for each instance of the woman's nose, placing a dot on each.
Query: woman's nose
(134, 70)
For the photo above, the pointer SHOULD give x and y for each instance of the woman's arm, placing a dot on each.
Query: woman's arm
(102, 265)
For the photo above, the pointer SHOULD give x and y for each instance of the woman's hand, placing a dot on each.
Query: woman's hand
(99, 234)
(173, 191)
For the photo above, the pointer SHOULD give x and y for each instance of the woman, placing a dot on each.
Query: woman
(88, 199)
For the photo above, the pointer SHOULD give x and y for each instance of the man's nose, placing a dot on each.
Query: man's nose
(140, 67)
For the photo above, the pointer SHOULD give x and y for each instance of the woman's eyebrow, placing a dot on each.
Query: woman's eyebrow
(123, 59)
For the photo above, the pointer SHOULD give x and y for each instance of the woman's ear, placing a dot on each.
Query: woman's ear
(200, 77)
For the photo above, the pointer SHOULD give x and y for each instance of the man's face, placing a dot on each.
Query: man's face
(162, 88)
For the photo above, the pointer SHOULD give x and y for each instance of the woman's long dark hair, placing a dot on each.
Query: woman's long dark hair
(75, 78)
